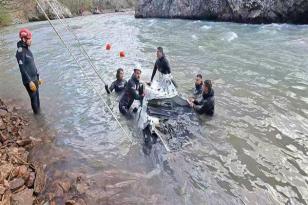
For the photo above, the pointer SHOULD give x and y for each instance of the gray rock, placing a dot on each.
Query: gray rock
(56, 7)
(5, 170)
(16, 184)
(2, 112)
(30, 181)
(24, 197)
(2, 190)
(246, 11)
(40, 180)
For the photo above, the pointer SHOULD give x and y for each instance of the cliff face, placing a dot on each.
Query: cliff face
(246, 11)
(50, 9)
(21, 11)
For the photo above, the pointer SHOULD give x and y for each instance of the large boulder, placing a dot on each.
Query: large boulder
(246, 11)
(52, 8)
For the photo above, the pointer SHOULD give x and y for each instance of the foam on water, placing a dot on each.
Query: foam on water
(300, 87)
(194, 37)
(206, 27)
(229, 36)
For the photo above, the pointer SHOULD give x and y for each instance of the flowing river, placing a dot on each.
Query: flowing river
(253, 151)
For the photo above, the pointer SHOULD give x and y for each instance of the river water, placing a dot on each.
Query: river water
(253, 151)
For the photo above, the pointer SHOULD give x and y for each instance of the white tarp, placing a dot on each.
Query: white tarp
(163, 88)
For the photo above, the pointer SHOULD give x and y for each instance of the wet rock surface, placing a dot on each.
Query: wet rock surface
(17, 174)
(246, 11)
(23, 178)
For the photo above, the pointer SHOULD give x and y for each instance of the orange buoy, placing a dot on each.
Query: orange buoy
(122, 54)
(108, 46)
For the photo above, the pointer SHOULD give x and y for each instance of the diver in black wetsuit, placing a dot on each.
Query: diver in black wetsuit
(162, 65)
(119, 84)
(28, 70)
(134, 90)
(198, 85)
(206, 103)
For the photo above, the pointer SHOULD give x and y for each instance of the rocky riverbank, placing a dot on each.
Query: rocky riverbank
(244, 11)
(24, 177)
(22, 11)
(21, 179)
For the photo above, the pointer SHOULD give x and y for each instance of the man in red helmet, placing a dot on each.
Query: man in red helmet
(28, 70)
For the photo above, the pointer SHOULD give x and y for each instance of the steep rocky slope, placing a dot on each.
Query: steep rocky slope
(247, 11)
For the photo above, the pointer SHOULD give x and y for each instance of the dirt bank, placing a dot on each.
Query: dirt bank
(21, 179)
(24, 178)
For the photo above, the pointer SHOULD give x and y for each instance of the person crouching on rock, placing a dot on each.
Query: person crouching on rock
(206, 103)
(119, 84)
(28, 70)
(134, 90)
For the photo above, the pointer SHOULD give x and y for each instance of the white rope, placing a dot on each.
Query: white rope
(83, 51)
(83, 72)
(69, 29)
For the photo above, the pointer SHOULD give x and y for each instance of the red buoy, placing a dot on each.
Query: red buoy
(108, 46)
(122, 54)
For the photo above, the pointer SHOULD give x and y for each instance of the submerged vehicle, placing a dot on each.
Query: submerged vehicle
(164, 115)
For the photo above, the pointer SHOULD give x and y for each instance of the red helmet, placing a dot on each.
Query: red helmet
(25, 33)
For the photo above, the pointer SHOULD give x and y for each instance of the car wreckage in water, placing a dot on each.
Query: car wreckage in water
(165, 115)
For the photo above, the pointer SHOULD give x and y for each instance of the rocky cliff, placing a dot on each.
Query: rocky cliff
(50, 6)
(246, 11)
(21, 11)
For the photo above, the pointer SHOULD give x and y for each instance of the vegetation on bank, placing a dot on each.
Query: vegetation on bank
(75, 6)
(20, 11)
(5, 18)
(89, 5)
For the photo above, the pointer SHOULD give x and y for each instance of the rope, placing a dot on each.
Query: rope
(84, 52)
(83, 72)
(69, 29)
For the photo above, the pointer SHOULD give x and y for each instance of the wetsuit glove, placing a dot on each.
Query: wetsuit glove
(141, 89)
(107, 89)
(32, 86)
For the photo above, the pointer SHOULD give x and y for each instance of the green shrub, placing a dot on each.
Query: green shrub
(5, 18)
(76, 5)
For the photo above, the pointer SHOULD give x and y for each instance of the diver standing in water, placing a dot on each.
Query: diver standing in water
(134, 90)
(198, 85)
(119, 84)
(161, 64)
(28, 70)
(205, 104)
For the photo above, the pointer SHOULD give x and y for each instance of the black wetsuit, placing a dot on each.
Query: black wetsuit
(133, 91)
(162, 65)
(198, 89)
(29, 73)
(118, 86)
(205, 104)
